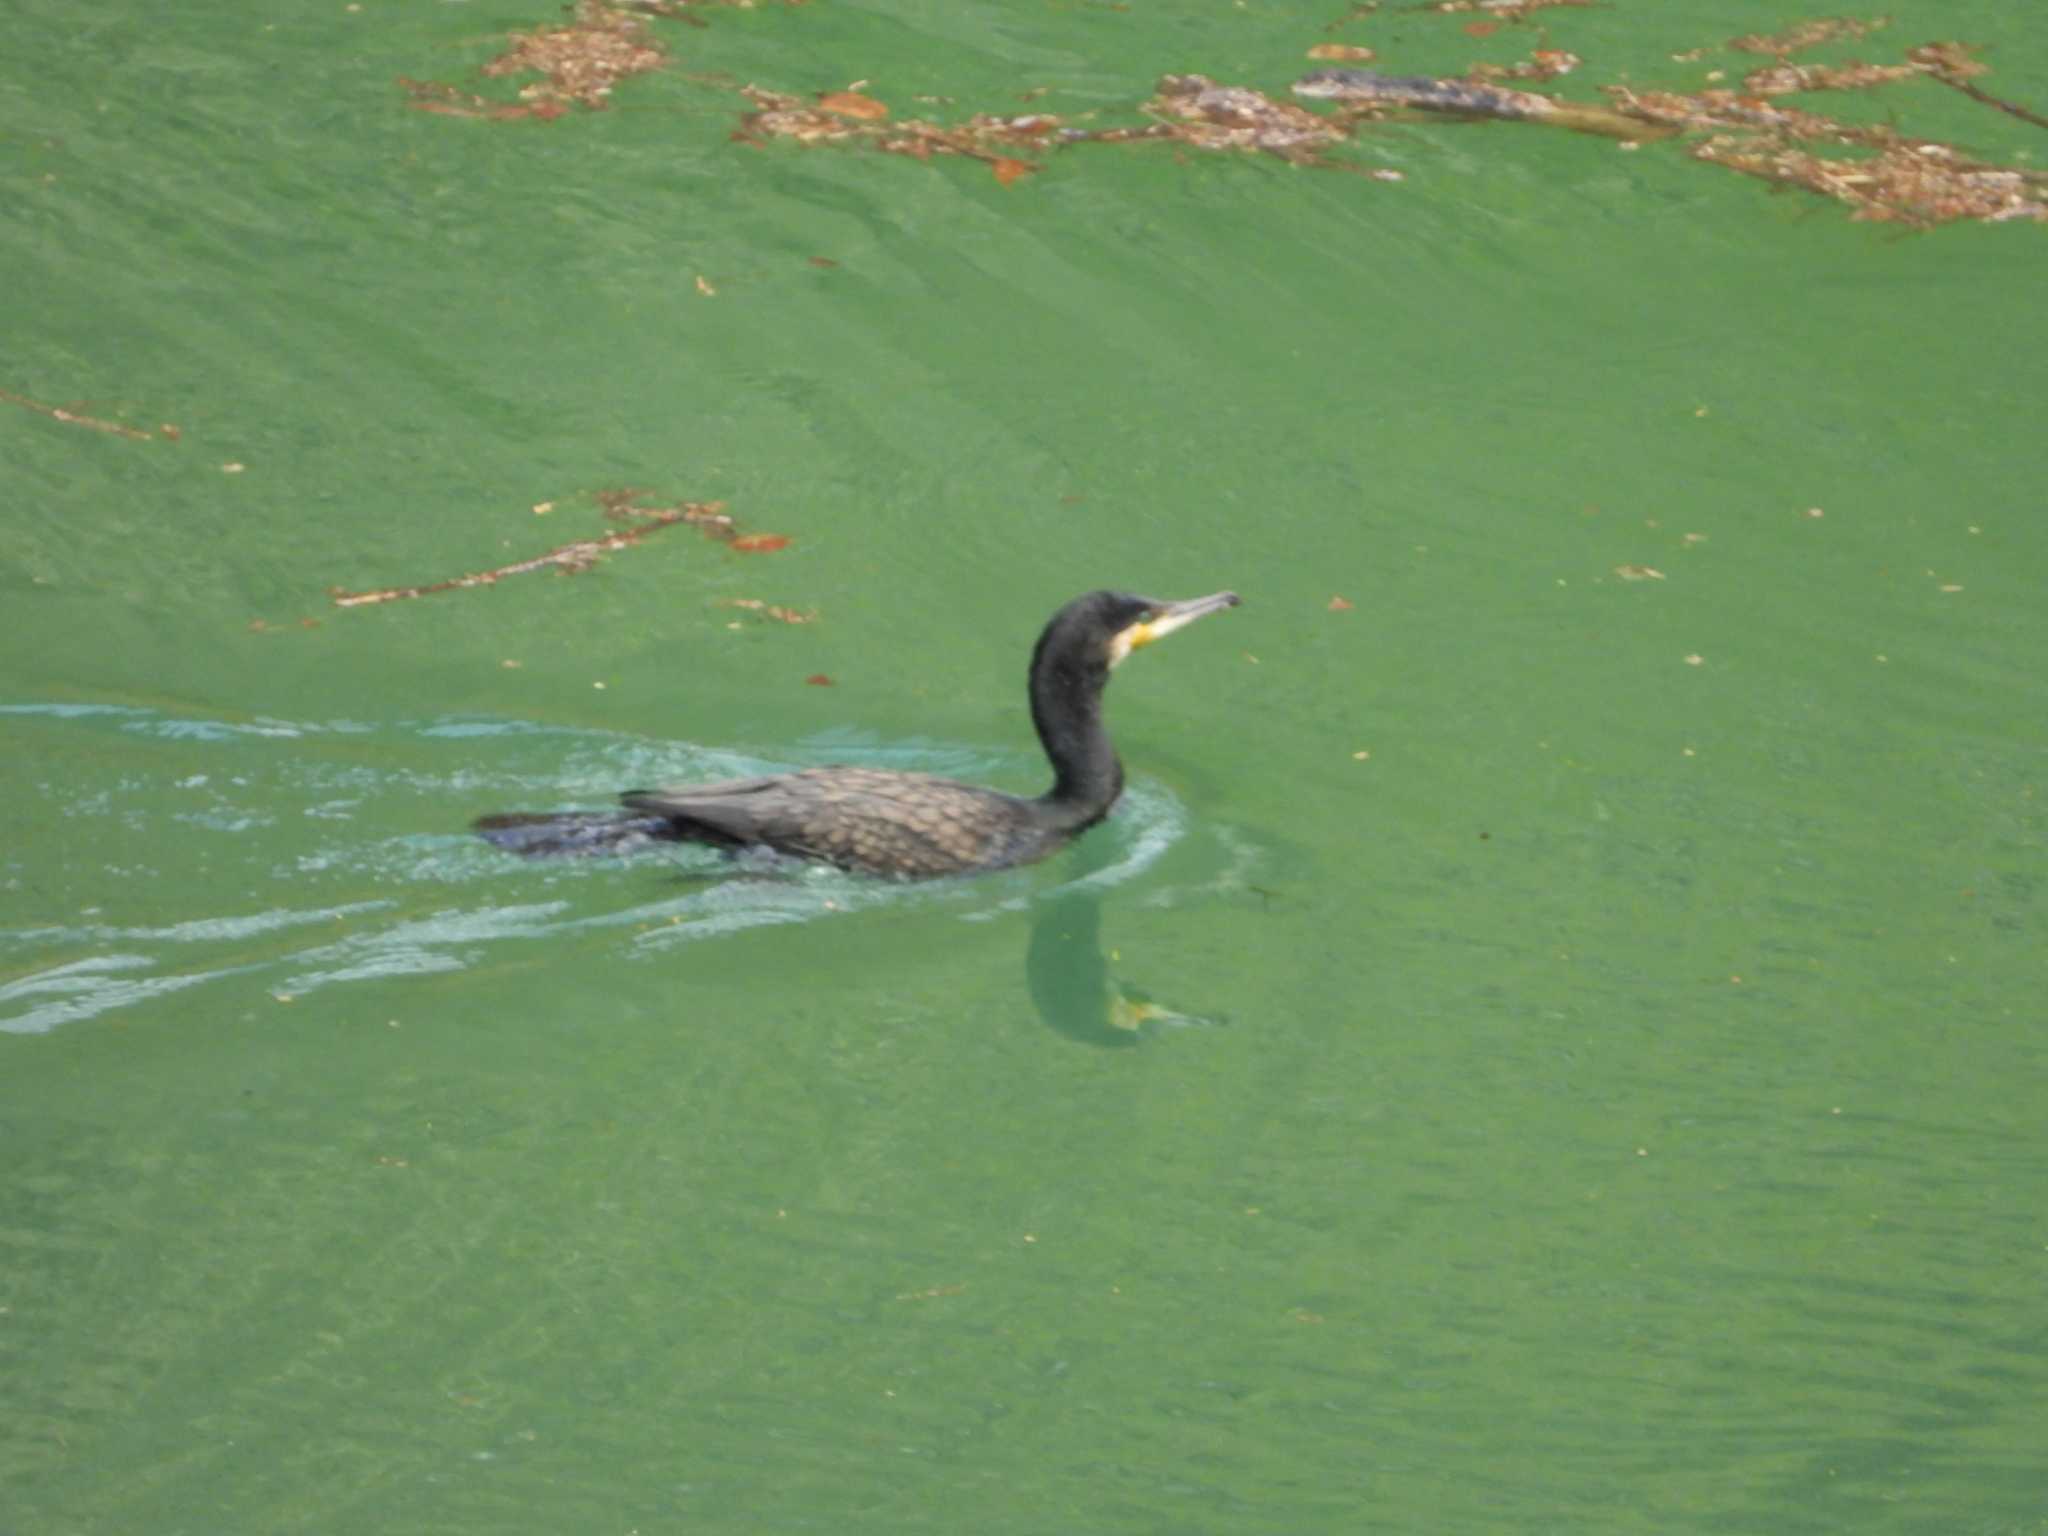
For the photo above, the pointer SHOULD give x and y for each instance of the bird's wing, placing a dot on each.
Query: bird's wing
(744, 810)
(860, 818)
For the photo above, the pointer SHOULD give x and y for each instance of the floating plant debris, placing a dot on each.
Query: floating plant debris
(708, 517)
(582, 61)
(1201, 114)
(853, 104)
(1503, 10)
(685, 10)
(1367, 90)
(579, 62)
(1885, 174)
(1951, 64)
(1783, 79)
(1806, 34)
(80, 419)
(1190, 110)
(1366, 94)
(1926, 185)
(1921, 182)
(774, 611)
(1362, 9)
(1543, 64)
(1712, 111)
(445, 100)
(777, 115)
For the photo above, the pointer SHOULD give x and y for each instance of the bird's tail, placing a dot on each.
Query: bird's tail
(570, 834)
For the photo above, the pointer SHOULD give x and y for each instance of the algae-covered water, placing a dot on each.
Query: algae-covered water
(1551, 1041)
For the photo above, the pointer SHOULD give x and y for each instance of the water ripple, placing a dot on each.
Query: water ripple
(227, 811)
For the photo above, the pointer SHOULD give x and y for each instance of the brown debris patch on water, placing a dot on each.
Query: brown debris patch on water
(1888, 175)
(579, 63)
(579, 60)
(1923, 186)
(1883, 173)
(1194, 110)
(1806, 34)
(1783, 79)
(846, 117)
(582, 61)
(1500, 10)
(1189, 110)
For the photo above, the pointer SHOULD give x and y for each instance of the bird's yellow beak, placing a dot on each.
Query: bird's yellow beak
(1164, 619)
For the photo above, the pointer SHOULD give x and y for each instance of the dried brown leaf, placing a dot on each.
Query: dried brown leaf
(853, 104)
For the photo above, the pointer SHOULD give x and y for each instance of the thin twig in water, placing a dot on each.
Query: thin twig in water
(709, 516)
(73, 418)
(1952, 66)
(1990, 100)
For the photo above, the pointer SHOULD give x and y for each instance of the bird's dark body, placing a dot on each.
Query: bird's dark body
(869, 819)
(907, 825)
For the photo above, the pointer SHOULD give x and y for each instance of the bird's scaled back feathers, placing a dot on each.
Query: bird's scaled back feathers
(915, 824)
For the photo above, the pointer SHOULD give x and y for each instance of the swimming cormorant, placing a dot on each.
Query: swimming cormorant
(909, 825)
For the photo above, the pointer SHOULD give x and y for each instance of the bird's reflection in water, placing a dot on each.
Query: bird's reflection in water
(1070, 982)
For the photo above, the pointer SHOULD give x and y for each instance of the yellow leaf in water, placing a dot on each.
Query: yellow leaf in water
(853, 104)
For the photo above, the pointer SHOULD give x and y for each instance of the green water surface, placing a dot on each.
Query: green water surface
(1551, 1043)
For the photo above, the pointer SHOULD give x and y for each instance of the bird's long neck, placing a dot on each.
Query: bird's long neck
(1066, 706)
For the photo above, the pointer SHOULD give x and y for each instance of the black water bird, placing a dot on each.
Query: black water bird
(910, 825)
